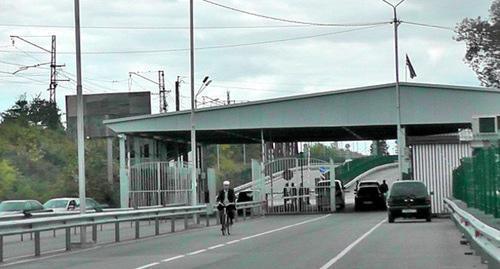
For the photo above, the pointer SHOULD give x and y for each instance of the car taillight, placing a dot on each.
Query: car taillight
(428, 200)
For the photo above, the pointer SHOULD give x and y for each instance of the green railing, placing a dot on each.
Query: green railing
(477, 181)
(350, 170)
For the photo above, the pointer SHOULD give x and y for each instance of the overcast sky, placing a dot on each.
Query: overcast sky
(328, 62)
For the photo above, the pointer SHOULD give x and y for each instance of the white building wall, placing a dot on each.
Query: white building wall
(433, 164)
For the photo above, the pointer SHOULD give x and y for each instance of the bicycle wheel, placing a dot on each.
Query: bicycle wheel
(228, 221)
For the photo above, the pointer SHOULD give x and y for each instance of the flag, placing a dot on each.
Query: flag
(410, 67)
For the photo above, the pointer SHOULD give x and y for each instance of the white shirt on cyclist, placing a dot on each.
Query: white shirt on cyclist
(226, 195)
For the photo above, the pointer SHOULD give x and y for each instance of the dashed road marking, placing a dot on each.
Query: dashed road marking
(173, 258)
(196, 252)
(148, 265)
(351, 246)
(233, 242)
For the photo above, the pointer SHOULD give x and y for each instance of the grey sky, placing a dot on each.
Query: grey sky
(329, 62)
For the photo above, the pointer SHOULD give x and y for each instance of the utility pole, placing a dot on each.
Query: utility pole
(194, 174)
(53, 72)
(177, 94)
(396, 23)
(80, 123)
(161, 86)
(228, 98)
(162, 91)
(53, 65)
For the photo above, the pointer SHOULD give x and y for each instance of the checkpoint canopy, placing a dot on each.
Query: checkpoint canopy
(364, 113)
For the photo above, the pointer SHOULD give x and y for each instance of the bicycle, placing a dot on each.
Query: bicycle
(225, 220)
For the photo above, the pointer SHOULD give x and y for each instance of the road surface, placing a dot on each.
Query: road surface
(342, 240)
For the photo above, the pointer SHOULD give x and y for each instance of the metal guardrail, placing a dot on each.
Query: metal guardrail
(484, 238)
(44, 214)
(68, 221)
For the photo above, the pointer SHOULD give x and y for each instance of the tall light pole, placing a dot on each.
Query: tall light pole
(79, 122)
(396, 23)
(194, 192)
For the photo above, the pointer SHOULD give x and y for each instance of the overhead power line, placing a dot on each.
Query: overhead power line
(429, 25)
(215, 46)
(290, 20)
(151, 27)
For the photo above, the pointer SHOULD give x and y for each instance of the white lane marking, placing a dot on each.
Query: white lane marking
(196, 252)
(248, 237)
(148, 265)
(216, 246)
(351, 246)
(173, 258)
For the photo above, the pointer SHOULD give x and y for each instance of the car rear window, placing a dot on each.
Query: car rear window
(368, 191)
(56, 204)
(408, 188)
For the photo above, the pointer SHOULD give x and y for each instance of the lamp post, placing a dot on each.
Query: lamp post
(194, 191)
(193, 130)
(396, 23)
(80, 122)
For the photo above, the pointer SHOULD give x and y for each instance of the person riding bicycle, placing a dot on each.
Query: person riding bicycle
(226, 198)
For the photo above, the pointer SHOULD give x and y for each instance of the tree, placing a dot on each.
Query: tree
(18, 113)
(482, 39)
(37, 112)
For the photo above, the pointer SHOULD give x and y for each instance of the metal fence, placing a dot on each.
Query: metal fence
(156, 215)
(159, 183)
(477, 181)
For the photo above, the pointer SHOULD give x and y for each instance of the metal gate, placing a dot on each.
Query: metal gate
(297, 185)
(160, 183)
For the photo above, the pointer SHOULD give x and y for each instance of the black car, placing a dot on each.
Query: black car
(369, 196)
(408, 199)
(244, 196)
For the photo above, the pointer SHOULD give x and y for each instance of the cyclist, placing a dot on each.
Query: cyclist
(226, 198)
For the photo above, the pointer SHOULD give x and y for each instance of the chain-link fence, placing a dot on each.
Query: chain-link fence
(477, 181)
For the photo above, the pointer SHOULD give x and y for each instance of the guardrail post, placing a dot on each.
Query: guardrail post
(117, 231)
(1, 248)
(172, 224)
(244, 213)
(157, 226)
(137, 235)
(37, 243)
(68, 238)
(54, 232)
(208, 218)
(185, 222)
(94, 233)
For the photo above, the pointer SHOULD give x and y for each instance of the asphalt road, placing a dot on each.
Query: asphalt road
(341, 240)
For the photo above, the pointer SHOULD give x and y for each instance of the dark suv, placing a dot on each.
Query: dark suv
(369, 196)
(408, 199)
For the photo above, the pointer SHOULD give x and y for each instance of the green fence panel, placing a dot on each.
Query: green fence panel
(477, 181)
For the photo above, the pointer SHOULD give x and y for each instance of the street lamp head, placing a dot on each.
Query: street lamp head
(208, 83)
(205, 79)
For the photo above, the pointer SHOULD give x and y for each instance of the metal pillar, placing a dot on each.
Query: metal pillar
(80, 122)
(194, 173)
(124, 184)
